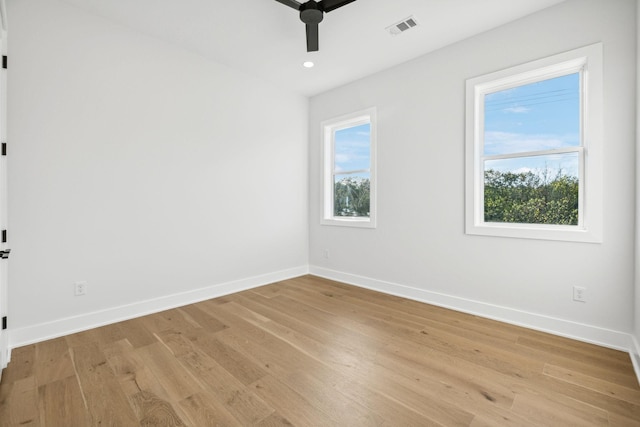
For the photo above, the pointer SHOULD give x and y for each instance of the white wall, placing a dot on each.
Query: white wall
(419, 248)
(144, 170)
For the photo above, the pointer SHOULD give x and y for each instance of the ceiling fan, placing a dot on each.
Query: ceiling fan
(312, 13)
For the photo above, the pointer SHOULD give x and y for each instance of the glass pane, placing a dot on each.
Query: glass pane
(351, 194)
(532, 190)
(352, 148)
(538, 116)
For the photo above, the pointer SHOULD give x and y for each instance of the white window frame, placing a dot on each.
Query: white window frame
(587, 61)
(328, 129)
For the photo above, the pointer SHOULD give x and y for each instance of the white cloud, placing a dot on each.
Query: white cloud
(343, 158)
(517, 110)
(524, 170)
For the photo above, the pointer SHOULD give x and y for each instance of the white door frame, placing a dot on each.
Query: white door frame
(5, 351)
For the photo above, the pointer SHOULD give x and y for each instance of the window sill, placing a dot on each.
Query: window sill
(565, 233)
(349, 222)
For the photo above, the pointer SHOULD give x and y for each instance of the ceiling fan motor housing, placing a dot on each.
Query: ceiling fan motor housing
(310, 13)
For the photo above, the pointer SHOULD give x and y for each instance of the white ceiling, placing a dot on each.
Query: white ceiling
(266, 38)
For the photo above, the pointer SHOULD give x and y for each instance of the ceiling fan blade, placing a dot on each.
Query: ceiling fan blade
(291, 3)
(312, 37)
(329, 5)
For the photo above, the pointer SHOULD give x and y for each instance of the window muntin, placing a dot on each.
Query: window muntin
(534, 139)
(349, 173)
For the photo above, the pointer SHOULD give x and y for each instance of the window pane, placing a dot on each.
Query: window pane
(351, 194)
(353, 148)
(532, 190)
(538, 116)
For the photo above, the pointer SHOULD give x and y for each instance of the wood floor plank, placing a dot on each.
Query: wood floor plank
(22, 364)
(154, 411)
(203, 319)
(274, 420)
(392, 410)
(622, 421)
(241, 402)
(106, 402)
(279, 358)
(583, 354)
(306, 319)
(62, 404)
(544, 411)
(572, 395)
(150, 401)
(342, 409)
(203, 409)
(131, 370)
(83, 339)
(168, 320)
(178, 381)
(310, 351)
(631, 395)
(269, 291)
(498, 417)
(241, 367)
(53, 361)
(24, 404)
(291, 404)
(454, 380)
(597, 369)
(110, 333)
(416, 319)
(136, 333)
(323, 344)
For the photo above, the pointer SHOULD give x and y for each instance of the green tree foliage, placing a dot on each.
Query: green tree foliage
(530, 198)
(351, 197)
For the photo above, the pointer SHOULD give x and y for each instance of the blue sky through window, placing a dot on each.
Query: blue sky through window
(544, 115)
(353, 149)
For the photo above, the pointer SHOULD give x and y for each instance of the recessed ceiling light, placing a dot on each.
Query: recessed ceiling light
(307, 64)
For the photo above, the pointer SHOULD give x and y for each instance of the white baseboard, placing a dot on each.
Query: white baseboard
(578, 331)
(69, 325)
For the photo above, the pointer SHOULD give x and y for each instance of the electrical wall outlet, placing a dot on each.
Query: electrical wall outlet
(579, 294)
(79, 288)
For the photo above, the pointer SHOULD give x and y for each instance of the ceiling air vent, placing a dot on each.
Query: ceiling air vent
(402, 26)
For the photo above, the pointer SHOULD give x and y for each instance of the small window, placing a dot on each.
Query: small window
(349, 170)
(534, 149)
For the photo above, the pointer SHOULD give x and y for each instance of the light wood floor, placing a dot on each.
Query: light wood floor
(311, 352)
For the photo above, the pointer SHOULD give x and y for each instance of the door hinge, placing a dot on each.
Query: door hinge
(4, 323)
(4, 236)
(4, 148)
(4, 61)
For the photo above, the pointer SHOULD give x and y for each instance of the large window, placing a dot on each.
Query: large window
(349, 170)
(534, 149)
